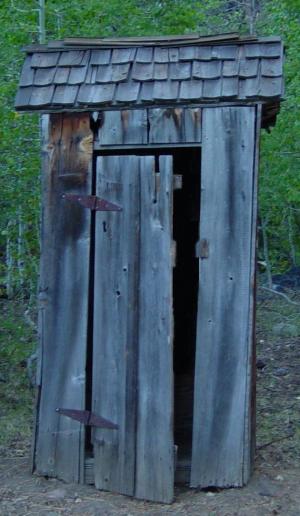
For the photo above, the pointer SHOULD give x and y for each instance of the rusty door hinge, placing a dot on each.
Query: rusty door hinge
(92, 202)
(87, 418)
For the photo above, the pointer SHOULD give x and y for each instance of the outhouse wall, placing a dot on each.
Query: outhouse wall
(223, 415)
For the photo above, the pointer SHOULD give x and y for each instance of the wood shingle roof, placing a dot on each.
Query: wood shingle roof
(83, 74)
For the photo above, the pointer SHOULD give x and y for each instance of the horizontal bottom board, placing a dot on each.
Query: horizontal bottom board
(182, 471)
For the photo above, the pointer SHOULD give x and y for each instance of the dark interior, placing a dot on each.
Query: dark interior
(185, 293)
(186, 214)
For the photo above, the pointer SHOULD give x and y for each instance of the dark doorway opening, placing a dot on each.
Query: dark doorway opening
(186, 214)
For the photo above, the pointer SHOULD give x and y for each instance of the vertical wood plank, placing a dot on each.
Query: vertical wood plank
(63, 297)
(250, 420)
(192, 125)
(166, 125)
(123, 127)
(115, 322)
(154, 451)
(174, 125)
(223, 343)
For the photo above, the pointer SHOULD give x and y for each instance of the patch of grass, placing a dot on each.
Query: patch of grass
(17, 342)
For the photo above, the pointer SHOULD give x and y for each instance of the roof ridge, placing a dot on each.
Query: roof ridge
(82, 43)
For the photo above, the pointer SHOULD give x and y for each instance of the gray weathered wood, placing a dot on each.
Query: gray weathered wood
(211, 88)
(61, 75)
(127, 92)
(165, 91)
(63, 297)
(65, 94)
(155, 450)
(123, 127)
(44, 76)
(96, 94)
(250, 419)
(41, 96)
(115, 322)
(192, 124)
(166, 125)
(174, 125)
(221, 400)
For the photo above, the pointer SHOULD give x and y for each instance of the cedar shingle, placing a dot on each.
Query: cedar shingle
(112, 73)
(74, 58)
(123, 55)
(249, 88)
(93, 94)
(160, 71)
(27, 74)
(161, 55)
(271, 86)
(44, 59)
(65, 95)
(180, 71)
(120, 72)
(211, 88)
(127, 92)
(204, 53)
(44, 76)
(273, 49)
(173, 55)
(165, 91)
(144, 55)
(142, 72)
(248, 68)
(191, 90)
(99, 57)
(41, 96)
(23, 97)
(230, 68)
(61, 75)
(230, 87)
(146, 93)
(224, 52)
(77, 75)
(187, 53)
(271, 67)
(206, 69)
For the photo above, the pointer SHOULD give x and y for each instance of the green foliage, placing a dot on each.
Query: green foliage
(17, 341)
(19, 134)
(280, 150)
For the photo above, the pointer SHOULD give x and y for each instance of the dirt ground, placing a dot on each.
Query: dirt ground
(275, 486)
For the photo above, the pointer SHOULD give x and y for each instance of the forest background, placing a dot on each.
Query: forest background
(21, 24)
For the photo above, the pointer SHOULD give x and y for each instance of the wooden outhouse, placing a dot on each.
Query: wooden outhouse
(146, 297)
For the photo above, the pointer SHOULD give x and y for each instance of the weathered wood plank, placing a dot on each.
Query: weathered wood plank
(192, 124)
(115, 322)
(63, 298)
(250, 419)
(154, 449)
(123, 127)
(223, 342)
(166, 125)
(174, 125)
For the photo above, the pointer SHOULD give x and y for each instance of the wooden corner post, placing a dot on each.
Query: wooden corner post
(63, 295)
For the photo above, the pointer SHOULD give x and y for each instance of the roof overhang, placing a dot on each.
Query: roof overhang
(88, 74)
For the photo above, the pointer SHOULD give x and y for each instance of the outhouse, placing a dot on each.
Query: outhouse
(146, 297)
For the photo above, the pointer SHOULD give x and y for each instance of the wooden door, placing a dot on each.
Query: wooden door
(222, 405)
(133, 341)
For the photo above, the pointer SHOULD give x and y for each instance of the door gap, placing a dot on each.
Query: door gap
(90, 331)
(186, 214)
